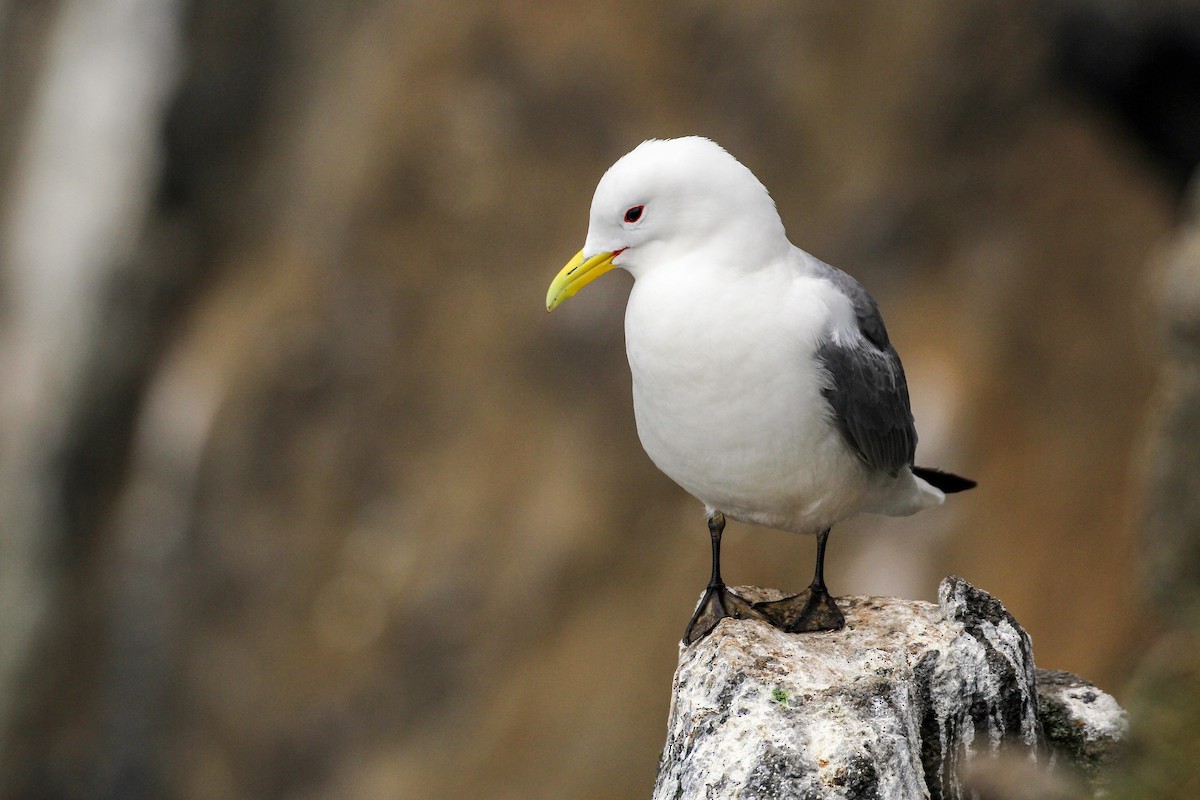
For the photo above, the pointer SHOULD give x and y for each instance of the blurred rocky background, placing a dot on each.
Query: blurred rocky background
(302, 493)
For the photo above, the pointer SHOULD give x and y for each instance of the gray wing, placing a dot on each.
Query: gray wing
(867, 389)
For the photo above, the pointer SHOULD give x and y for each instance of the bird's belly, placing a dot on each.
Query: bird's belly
(778, 467)
(742, 427)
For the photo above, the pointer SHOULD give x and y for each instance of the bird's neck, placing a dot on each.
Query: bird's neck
(734, 247)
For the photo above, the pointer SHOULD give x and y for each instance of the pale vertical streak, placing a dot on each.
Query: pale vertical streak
(78, 198)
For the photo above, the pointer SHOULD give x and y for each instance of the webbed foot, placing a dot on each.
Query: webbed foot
(811, 610)
(717, 604)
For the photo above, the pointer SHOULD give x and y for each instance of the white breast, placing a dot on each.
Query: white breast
(727, 393)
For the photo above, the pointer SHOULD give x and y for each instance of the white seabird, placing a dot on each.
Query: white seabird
(763, 379)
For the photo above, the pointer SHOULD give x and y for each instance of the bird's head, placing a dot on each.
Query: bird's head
(669, 200)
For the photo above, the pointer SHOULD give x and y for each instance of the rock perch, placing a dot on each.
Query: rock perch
(892, 706)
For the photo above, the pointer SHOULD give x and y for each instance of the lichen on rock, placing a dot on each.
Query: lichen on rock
(893, 705)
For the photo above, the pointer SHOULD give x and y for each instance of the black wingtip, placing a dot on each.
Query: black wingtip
(948, 482)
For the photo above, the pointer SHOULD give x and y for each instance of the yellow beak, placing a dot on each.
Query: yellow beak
(575, 275)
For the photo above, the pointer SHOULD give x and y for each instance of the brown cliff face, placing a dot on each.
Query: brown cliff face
(318, 501)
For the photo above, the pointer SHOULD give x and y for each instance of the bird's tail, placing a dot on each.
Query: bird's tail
(948, 482)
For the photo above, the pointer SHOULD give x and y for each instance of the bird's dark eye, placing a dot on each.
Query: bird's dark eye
(634, 214)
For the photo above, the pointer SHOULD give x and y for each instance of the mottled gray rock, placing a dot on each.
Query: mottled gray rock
(1082, 724)
(891, 706)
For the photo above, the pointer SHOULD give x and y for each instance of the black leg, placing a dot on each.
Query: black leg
(819, 576)
(718, 602)
(716, 527)
(811, 610)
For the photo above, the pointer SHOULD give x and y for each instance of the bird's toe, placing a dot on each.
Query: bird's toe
(811, 610)
(717, 603)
